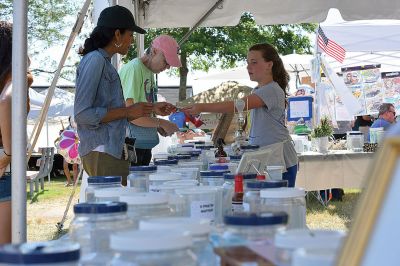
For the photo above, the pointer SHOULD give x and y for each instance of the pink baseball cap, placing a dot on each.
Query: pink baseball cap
(170, 48)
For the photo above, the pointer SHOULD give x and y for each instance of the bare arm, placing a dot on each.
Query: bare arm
(5, 127)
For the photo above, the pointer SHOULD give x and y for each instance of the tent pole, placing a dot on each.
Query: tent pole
(186, 36)
(139, 37)
(18, 111)
(116, 58)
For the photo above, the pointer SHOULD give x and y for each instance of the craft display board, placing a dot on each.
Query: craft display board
(391, 82)
(366, 84)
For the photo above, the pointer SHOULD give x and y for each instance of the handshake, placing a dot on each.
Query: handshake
(138, 110)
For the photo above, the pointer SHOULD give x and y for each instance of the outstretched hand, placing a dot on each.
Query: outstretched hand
(192, 109)
(163, 108)
(138, 110)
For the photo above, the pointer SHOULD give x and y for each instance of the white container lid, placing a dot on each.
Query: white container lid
(282, 192)
(197, 190)
(114, 192)
(302, 257)
(150, 240)
(309, 239)
(164, 176)
(275, 167)
(145, 198)
(195, 227)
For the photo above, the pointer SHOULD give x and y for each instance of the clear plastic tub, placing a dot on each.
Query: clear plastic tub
(187, 173)
(147, 205)
(199, 230)
(202, 202)
(212, 178)
(290, 200)
(100, 182)
(316, 257)
(355, 141)
(152, 247)
(245, 228)
(112, 194)
(40, 254)
(139, 177)
(158, 179)
(92, 225)
(166, 165)
(287, 242)
(252, 199)
(275, 171)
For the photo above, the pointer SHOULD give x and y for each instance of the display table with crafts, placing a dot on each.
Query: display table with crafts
(335, 169)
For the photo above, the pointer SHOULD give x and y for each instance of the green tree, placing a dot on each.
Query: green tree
(226, 46)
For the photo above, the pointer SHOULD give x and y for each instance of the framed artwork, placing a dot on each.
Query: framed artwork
(374, 234)
(299, 107)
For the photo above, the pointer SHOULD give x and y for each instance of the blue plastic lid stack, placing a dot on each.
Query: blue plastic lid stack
(100, 207)
(245, 176)
(104, 179)
(218, 167)
(144, 168)
(256, 219)
(39, 253)
(217, 174)
(166, 162)
(267, 184)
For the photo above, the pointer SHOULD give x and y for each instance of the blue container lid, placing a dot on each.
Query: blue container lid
(180, 157)
(166, 162)
(235, 157)
(104, 179)
(188, 145)
(264, 218)
(204, 147)
(143, 168)
(213, 173)
(249, 147)
(39, 253)
(267, 184)
(245, 176)
(100, 207)
(218, 167)
(199, 142)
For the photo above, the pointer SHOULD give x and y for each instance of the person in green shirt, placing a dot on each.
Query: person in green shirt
(138, 83)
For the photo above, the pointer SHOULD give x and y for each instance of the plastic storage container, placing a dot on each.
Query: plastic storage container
(199, 230)
(244, 228)
(152, 247)
(275, 171)
(355, 141)
(40, 254)
(212, 178)
(147, 205)
(290, 200)
(92, 225)
(112, 194)
(202, 202)
(228, 188)
(165, 165)
(286, 242)
(158, 179)
(317, 257)
(252, 199)
(139, 177)
(187, 173)
(100, 182)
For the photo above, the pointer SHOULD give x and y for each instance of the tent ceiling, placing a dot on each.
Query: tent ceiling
(185, 13)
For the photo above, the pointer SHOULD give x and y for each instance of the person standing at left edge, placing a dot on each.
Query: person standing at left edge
(99, 110)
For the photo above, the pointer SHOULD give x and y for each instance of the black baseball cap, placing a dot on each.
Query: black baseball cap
(118, 17)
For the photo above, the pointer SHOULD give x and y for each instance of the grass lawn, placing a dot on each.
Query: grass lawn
(47, 207)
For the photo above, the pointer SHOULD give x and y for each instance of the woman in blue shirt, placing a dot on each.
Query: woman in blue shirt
(100, 111)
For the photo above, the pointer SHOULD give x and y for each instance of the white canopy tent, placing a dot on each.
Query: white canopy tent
(164, 13)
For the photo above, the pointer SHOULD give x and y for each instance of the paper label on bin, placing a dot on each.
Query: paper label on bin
(202, 209)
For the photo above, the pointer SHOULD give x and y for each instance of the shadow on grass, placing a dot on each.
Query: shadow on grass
(344, 209)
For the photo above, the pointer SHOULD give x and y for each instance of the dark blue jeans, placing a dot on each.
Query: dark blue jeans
(290, 175)
(5, 187)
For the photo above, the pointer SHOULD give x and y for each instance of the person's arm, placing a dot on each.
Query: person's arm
(5, 128)
(251, 102)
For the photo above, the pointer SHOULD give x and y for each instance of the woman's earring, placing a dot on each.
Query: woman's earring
(117, 45)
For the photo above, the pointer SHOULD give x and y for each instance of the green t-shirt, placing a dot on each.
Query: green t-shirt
(138, 82)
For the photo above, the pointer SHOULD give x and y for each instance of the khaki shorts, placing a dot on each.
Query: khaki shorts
(102, 164)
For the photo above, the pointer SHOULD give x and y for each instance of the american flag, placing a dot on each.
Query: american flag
(330, 47)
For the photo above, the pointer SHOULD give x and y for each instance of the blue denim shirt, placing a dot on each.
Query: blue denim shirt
(98, 88)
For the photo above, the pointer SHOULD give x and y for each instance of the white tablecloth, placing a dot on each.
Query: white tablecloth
(336, 169)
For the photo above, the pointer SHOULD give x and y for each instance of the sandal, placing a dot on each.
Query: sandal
(67, 184)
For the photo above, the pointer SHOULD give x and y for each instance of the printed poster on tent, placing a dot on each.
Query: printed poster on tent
(391, 81)
(366, 84)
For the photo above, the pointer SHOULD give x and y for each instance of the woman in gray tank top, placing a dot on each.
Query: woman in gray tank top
(267, 103)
